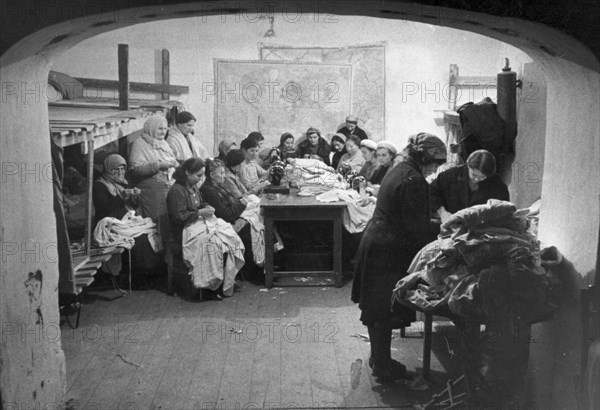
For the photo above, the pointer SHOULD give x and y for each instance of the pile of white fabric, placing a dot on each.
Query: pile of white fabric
(311, 171)
(114, 232)
(358, 211)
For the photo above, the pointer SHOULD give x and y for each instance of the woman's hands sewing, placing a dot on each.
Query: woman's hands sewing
(206, 212)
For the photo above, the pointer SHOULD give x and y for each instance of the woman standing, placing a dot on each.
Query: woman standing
(470, 184)
(353, 157)
(385, 154)
(151, 166)
(399, 228)
(338, 148)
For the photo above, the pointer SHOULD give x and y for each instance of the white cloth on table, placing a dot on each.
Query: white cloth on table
(356, 215)
(214, 252)
(311, 171)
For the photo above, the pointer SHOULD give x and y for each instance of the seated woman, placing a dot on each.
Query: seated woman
(470, 184)
(210, 245)
(226, 145)
(232, 183)
(113, 198)
(237, 211)
(285, 150)
(314, 146)
(353, 157)
(151, 164)
(386, 152)
(253, 176)
(367, 149)
(338, 149)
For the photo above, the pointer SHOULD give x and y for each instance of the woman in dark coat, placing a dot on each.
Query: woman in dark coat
(338, 148)
(470, 184)
(399, 228)
(314, 146)
(112, 197)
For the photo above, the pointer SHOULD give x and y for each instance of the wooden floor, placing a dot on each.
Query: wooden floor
(290, 347)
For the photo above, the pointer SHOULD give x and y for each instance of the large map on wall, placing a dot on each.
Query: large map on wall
(274, 97)
(368, 83)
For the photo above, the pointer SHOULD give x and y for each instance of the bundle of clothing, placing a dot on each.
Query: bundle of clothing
(485, 261)
(359, 209)
(486, 268)
(312, 176)
(214, 253)
(257, 228)
(122, 232)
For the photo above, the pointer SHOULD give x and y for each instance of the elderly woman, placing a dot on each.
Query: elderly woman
(113, 198)
(314, 146)
(367, 149)
(470, 184)
(253, 176)
(182, 140)
(353, 157)
(226, 145)
(400, 226)
(234, 210)
(151, 165)
(210, 245)
(338, 149)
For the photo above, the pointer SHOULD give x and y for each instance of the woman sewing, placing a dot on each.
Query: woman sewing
(400, 226)
(353, 158)
(210, 245)
(338, 149)
(470, 184)
(314, 147)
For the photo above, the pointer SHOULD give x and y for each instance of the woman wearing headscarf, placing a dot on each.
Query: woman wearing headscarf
(151, 165)
(368, 148)
(230, 209)
(113, 198)
(232, 182)
(226, 145)
(470, 184)
(286, 146)
(314, 147)
(400, 226)
(385, 154)
(338, 148)
(210, 245)
(353, 158)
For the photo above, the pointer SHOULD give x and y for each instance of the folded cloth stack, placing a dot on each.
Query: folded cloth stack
(485, 263)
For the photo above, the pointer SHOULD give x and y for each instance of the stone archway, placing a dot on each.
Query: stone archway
(33, 370)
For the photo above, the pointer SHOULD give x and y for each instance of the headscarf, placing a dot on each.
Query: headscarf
(370, 144)
(428, 144)
(113, 181)
(389, 146)
(225, 144)
(340, 136)
(234, 157)
(149, 135)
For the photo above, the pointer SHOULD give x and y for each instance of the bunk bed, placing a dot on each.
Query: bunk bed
(88, 125)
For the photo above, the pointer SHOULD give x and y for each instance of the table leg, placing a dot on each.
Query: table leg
(337, 249)
(427, 345)
(269, 252)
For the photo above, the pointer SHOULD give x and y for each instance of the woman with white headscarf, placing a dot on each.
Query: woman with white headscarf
(151, 166)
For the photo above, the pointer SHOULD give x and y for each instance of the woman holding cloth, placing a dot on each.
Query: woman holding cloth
(470, 184)
(151, 165)
(399, 228)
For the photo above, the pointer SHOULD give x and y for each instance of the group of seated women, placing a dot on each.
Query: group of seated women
(171, 180)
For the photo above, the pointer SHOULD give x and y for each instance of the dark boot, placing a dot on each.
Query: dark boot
(384, 368)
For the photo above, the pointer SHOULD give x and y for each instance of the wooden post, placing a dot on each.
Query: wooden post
(89, 229)
(123, 76)
(453, 87)
(165, 72)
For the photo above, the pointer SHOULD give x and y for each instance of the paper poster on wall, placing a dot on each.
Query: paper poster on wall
(368, 83)
(276, 97)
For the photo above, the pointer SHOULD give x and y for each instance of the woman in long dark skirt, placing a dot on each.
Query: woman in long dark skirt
(399, 228)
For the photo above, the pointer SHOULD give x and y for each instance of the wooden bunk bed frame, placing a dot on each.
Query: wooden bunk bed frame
(92, 124)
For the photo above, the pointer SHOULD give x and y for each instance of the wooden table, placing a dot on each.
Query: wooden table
(279, 207)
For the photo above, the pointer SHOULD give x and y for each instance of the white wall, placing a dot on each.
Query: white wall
(418, 57)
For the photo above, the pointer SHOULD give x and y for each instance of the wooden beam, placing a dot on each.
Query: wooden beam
(133, 86)
(123, 77)
(165, 72)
